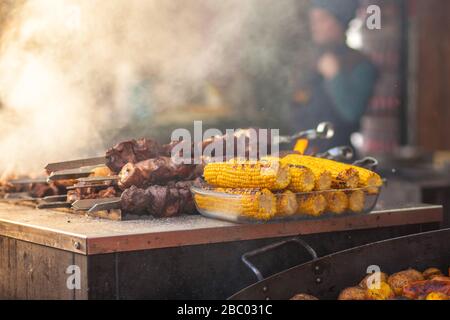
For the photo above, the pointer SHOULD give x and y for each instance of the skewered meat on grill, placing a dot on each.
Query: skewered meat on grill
(132, 151)
(159, 201)
(154, 171)
(91, 193)
(41, 190)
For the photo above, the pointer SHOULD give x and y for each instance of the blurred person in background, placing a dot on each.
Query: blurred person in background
(340, 87)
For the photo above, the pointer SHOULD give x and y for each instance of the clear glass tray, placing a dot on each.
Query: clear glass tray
(258, 206)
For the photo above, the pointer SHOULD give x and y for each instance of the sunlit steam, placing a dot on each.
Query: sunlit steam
(66, 66)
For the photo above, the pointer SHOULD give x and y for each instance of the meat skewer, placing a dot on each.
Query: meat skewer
(138, 150)
(171, 200)
(154, 171)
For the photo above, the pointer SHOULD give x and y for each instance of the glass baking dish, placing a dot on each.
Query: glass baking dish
(259, 206)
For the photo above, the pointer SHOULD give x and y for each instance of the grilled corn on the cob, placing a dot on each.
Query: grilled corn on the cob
(356, 200)
(250, 203)
(311, 204)
(287, 203)
(269, 174)
(369, 179)
(337, 202)
(343, 176)
(323, 178)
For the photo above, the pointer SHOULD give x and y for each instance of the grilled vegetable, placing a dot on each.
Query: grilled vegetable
(270, 175)
(381, 291)
(323, 178)
(401, 279)
(369, 179)
(430, 273)
(246, 202)
(287, 203)
(356, 200)
(353, 293)
(437, 296)
(370, 279)
(302, 179)
(343, 175)
(337, 202)
(311, 205)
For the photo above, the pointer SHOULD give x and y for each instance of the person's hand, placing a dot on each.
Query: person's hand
(328, 66)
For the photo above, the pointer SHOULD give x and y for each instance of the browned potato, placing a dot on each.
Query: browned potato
(303, 296)
(383, 278)
(353, 293)
(383, 292)
(437, 296)
(399, 280)
(430, 273)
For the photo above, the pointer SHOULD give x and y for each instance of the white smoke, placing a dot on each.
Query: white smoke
(66, 66)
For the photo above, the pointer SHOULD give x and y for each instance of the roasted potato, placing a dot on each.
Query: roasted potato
(430, 273)
(372, 277)
(399, 280)
(353, 293)
(437, 296)
(303, 296)
(383, 291)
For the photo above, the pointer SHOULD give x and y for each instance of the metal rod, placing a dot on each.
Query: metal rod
(73, 164)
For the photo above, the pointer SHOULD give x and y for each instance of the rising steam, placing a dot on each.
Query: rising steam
(66, 66)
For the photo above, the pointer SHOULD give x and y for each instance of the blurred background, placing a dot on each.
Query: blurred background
(77, 76)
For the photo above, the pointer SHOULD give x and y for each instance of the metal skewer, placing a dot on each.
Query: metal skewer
(87, 204)
(337, 154)
(73, 164)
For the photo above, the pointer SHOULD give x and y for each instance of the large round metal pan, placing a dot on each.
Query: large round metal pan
(325, 277)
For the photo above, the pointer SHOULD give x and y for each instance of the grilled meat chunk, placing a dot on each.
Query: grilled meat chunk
(91, 193)
(133, 151)
(159, 201)
(154, 171)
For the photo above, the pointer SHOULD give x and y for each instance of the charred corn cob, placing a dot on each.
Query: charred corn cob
(269, 174)
(328, 173)
(369, 179)
(337, 202)
(311, 204)
(287, 203)
(251, 203)
(356, 200)
(302, 179)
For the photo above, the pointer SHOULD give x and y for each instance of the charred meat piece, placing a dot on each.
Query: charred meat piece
(41, 190)
(133, 151)
(91, 193)
(154, 171)
(159, 201)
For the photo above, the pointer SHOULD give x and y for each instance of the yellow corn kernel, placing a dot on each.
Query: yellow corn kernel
(311, 204)
(302, 179)
(270, 175)
(251, 203)
(337, 202)
(356, 200)
(287, 203)
(343, 176)
(369, 179)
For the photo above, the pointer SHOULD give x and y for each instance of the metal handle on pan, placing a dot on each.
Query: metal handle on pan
(270, 247)
(367, 162)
